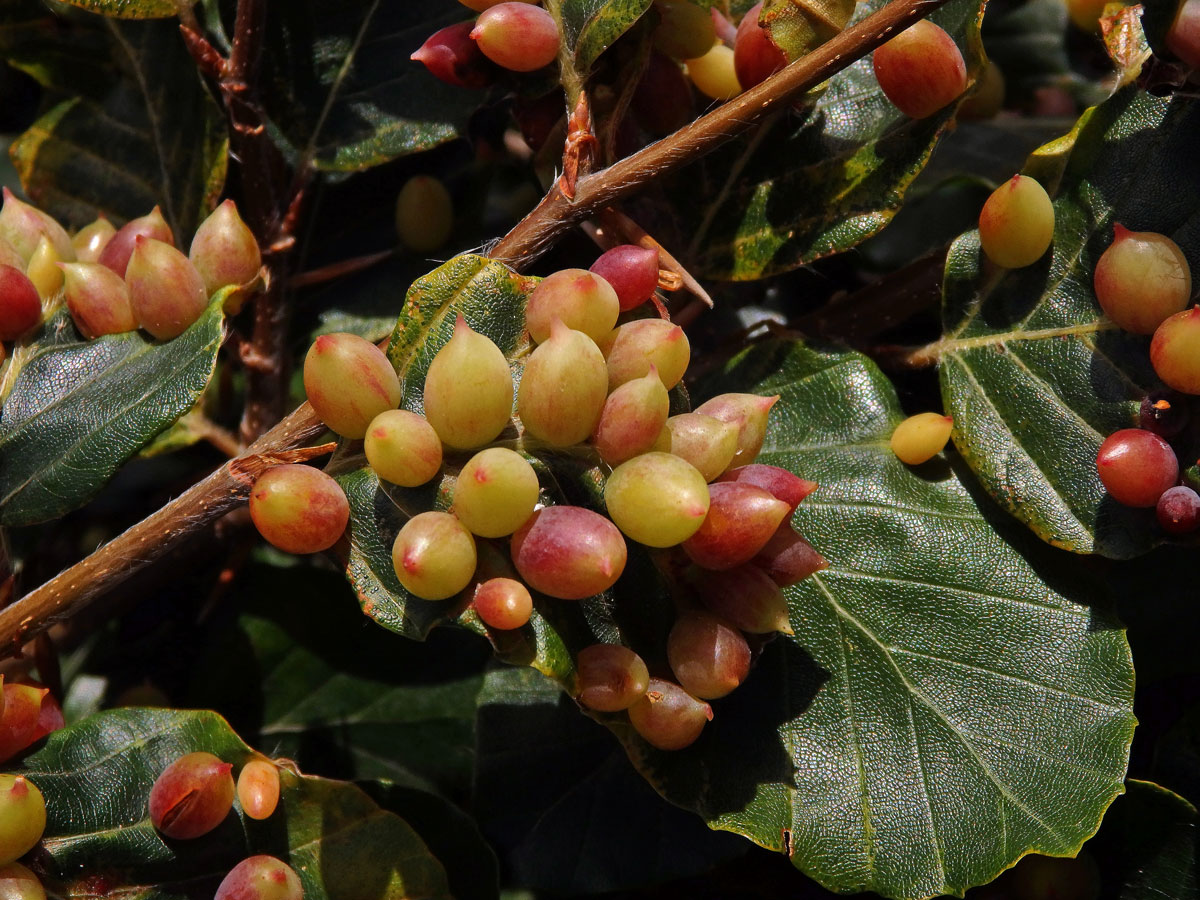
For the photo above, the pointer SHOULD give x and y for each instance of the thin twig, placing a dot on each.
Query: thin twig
(338, 269)
(614, 220)
(555, 215)
(228, 487)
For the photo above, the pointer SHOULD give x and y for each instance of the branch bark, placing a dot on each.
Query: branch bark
(229, 486)
(556, 215)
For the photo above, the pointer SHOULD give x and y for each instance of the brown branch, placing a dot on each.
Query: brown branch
(338, 269)
(556, 214)
(223, 490)
(227, 488)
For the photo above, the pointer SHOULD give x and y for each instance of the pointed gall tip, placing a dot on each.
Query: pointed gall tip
(949, 420)
(419, 55)
(558, 329)
(783, 626)
(708, 711)
(8, 195)
(225, 768)
(473, 35)
(1120, 232)
(20, 787)
(768, 402)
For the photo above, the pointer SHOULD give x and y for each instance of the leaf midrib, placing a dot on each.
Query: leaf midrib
(914, 692)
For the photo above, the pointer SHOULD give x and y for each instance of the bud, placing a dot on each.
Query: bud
(788, 558)
(23, 226)
(741, 519)
(224, 250)
(583, 300)
(119, 249)
(18, 883)
(1183, 37)
(755, 56)
(707, 443)
(424, 214)
(631, 270)
(746, 596)
(98, 299)
(633, 417)
(22, 817)
(517, 36)
(89, 242)
(192, 796)
(788, 487)
(749, 413)
(468, 390)
(43, 269)
(563, 388)
(349, 381)
(260, 878)
(631, 349)
(30, 713)
(20, 305)
(569, 552)
(165, 290)
(451, 56)
(258, 788)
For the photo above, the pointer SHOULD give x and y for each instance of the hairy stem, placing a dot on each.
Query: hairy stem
(228, 487)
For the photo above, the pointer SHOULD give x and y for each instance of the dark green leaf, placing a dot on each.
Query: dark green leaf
(1033, 373)
(129, 9)
(78, 409)
(591, 26)
(948, 701)
(96, 777)
(1147, 847)
(1177, 754)
(451, 835)
(152, 136)
(805, 186)
(587, 805)
(342, 697)
(76, 59)
(340, 86)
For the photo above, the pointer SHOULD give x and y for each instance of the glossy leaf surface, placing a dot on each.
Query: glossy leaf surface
(1033, 373)
(78, 409)
(96, 776)
(810, 183)
(342, 89)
